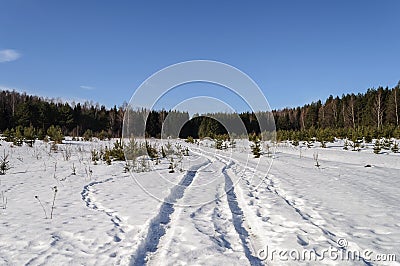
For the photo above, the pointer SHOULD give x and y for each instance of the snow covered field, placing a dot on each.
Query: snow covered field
(242, 216)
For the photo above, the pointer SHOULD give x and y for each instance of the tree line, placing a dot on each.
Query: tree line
(22, 110)
(372, 114)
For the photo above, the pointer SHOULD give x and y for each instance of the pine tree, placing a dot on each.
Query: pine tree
(377, 147)
(87, 136)
(18, 137)
(107, 156)
(218, 143)
(386, 144)
(9, 135)
(171, 166)
(151, 151)
(356, 144)
(256, 146)
(163, 154)
(117, 151)
(395, 148)
(29, 135)
(55, 134)
(346, 144)
(323, 144)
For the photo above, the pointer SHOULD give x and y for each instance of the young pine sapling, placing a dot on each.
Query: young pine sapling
(395, 148)
(377, 147)
(171, 166)
(4, 163)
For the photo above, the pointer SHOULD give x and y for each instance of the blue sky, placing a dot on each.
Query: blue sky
(297, 51)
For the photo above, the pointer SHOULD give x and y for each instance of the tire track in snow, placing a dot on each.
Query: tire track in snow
(272, 188)
(158, 224)
(238, 218)
(219, 229)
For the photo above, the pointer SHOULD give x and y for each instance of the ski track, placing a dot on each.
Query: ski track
(158, 224)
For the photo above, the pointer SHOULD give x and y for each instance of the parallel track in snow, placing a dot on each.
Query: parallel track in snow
(237, 220)
(159, 223)
(238, 216)
(270, 187)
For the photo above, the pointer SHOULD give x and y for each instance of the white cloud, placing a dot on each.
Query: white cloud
(86, 87)
(8, 55)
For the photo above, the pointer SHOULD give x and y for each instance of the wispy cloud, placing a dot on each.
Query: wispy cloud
(9, 55)
(87, 87)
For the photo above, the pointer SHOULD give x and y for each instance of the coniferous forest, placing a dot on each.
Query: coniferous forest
(368, 115)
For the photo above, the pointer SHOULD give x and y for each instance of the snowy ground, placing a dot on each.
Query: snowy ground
(223, 208)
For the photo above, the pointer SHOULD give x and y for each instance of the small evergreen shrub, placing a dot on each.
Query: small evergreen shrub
(95, 156)
(171, 166)
(18, 137)
(151, 151)
(29, 136)
(377, 147)
(55, 134)
(190, 140)
(256, 146)
(346, 145)
(88, 135)
(395, 148)
(117, 152)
